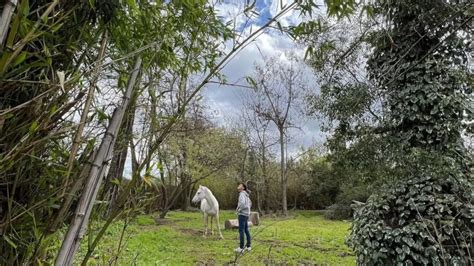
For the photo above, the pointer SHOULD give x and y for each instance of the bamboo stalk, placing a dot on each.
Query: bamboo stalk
(66, 204)
(80, 221)
(5, 19)
(85, 112)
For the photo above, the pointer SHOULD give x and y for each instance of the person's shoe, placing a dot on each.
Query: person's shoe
(248, 248)
(239, 250)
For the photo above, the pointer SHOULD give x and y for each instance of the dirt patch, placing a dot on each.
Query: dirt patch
(206, 263)
(189, 231)
(190, 209)
(271, 242)
(274, 262)
(277, 216)
(312, 246)
(306, 245)
(306, 263)
(173, 223)
(163, 221)
(344, 254)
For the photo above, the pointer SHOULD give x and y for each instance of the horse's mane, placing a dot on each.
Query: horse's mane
(209, 192)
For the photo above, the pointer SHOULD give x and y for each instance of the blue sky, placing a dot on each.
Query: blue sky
(264, 11)
(226, 102)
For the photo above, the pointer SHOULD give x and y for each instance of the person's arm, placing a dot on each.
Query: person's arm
(241, 202)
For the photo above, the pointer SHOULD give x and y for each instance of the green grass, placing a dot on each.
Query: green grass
(303, 238)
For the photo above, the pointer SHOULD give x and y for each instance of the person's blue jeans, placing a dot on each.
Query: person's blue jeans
(244, 229)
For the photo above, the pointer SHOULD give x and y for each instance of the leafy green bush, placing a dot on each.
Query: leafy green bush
(421, 219)
(338, 211)
(342, 208)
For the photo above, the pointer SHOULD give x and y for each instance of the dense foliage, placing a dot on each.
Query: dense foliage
(394, 85)
(64, 67)
(425, 217)
(51, 64)
(419, 62)
(396, 93)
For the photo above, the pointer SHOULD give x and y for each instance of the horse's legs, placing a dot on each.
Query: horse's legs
(219, 225)
(205, 224)
(212, 231)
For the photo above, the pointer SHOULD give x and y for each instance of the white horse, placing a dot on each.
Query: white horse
(209, 207)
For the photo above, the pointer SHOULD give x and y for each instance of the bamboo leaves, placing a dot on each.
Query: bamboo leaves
(32, 33)
(21, 14)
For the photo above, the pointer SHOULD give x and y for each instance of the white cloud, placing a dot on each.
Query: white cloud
(290, 18)
(226, 103)
(232, 11)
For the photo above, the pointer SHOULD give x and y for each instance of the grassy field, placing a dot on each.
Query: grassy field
(303, 238)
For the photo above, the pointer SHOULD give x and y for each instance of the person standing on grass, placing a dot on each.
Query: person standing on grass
(243, 212)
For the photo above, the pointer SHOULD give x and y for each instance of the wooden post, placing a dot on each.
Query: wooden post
(254, 219)
(78, 226)
(233, 224)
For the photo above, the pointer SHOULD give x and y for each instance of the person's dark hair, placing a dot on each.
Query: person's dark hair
(246, 189)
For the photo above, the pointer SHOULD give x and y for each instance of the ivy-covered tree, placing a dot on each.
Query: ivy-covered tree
(420, 63)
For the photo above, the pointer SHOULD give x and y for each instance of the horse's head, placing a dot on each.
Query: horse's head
(200, 194)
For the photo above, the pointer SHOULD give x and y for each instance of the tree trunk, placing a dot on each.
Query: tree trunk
(184, 175)
(117, 166)
(234, 224)
(242, 168)
(164, 198)
(172, 200)
(296, 202)
(186, 198)
(283, 180)
(266, 199)
(79, 224)
(164, 195)
(259, 205)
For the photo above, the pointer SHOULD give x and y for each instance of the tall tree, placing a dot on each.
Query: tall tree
(258, 136)
(419, 63)
(277, 86)
(407, 111)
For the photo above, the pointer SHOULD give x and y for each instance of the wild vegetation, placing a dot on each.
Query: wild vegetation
(147, 243)
(104, 128)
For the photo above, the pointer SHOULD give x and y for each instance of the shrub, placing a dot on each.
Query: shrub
(424, 219)
(342, 208)
(338, 211)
